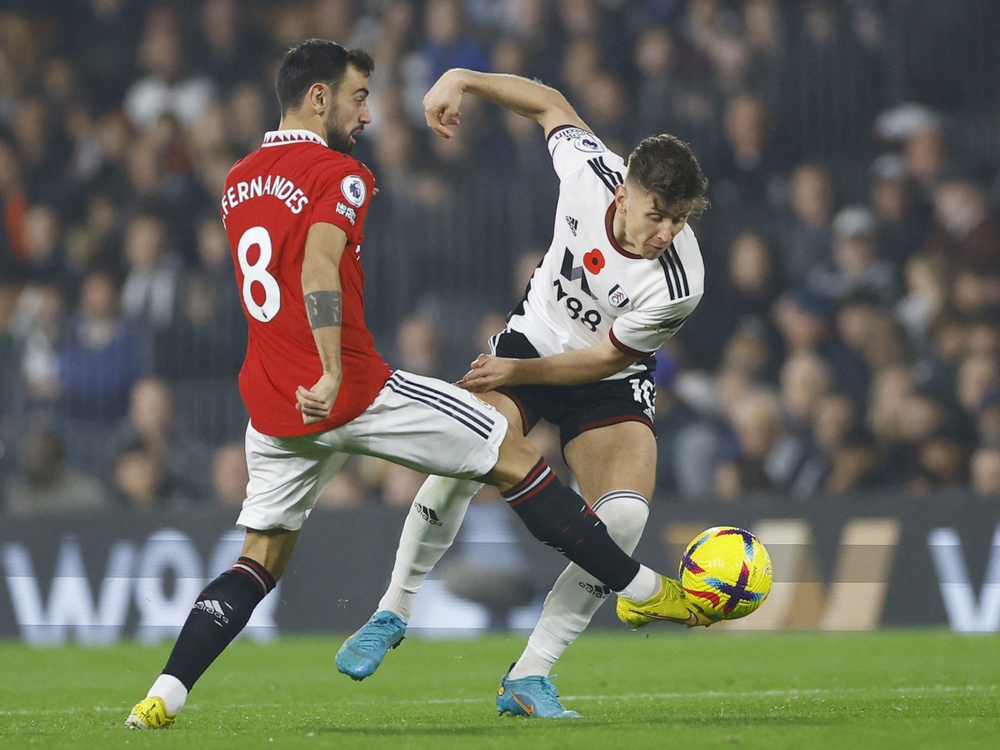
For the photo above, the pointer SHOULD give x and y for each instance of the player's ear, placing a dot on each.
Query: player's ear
(319, 97)
(621, 195)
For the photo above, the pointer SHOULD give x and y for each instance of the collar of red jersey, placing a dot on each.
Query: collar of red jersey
(281, 137)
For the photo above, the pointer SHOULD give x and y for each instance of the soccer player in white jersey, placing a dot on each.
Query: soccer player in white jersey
(622, 274)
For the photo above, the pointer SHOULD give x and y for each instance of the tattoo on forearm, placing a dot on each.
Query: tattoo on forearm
(324, 309)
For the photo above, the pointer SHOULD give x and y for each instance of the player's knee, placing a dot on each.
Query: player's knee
(625, 514)
(517, 457)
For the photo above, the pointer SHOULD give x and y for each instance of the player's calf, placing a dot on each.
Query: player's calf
(221, 611)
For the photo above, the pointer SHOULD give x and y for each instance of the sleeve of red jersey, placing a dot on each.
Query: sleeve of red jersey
(344, 202)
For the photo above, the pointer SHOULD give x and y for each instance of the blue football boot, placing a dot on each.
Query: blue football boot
(534, 696)
(362, 653)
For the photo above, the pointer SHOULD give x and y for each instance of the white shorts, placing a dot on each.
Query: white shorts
(422, 423)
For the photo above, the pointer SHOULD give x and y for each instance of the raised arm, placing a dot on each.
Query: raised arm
(543, 104)
(569, 368)
(325, 245)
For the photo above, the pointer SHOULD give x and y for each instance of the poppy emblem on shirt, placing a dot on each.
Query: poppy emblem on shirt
(593, 261)
(354, 190)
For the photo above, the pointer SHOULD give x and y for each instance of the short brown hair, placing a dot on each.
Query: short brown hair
(665, 166)
(316, 61)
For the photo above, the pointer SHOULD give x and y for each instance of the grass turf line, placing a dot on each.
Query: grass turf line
(894, 689)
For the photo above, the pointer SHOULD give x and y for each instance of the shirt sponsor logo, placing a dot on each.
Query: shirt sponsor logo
(354, 190)
(617, 296)
(347, 212)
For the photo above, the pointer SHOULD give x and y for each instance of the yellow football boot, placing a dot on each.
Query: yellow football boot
(150, 713)
(670, 605)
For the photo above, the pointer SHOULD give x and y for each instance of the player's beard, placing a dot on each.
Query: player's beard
(336, 138)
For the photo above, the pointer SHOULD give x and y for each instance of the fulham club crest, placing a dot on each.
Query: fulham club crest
(617, 296)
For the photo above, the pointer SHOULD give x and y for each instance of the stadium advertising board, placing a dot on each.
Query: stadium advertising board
(839, 565)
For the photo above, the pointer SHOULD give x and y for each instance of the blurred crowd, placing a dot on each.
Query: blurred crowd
(848, 340)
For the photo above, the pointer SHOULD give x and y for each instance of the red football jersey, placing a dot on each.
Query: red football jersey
(271, 199)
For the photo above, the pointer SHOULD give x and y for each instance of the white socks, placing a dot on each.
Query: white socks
(576, 595)
(172, 691)
(434, 519)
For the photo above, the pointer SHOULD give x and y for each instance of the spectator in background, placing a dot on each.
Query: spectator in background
(978, 377)
(229, 475)
(150, 290)
(674, 92)
(927, 286)
(804, 320)
(805, 379)
(447, 43)
(756, 421)
(845, 456)
(139, 480)
(964, 233)
(902, 214)
(101, 355)
(43, 244)
(828, 63)
(856, 266)
(37, 326)
(746, 178)
(986, 472)
(925, 153)
(206, 337)
(674, 419)
(95, 242)
(152, 426)
(46, 485)
(102, 35)
(418, 347)
(229, 51)
(805, 238)
(14, 206)
(168, 88)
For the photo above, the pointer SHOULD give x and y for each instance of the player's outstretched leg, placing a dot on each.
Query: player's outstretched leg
(577, 595)
(434, 519)
(221, 611)
(533, 696)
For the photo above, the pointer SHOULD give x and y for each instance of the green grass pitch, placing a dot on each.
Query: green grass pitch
(667, 688)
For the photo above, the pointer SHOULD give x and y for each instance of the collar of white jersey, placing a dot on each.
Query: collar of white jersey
(294, 135)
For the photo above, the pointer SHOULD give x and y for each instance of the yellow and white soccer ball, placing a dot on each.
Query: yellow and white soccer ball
(726, 573)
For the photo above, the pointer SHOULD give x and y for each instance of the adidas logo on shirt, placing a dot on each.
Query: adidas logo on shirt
(573, 224)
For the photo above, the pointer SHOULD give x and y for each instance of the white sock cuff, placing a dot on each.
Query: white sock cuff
(172, 691)
(625, 513)
(623, 495)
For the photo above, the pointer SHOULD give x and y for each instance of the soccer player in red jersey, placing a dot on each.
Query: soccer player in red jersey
(316, 389)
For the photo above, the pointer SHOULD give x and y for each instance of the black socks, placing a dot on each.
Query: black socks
(557, 516)
(221, 612)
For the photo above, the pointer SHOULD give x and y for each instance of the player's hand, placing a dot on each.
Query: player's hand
(442, 105)
(488, 372)
(315, 403)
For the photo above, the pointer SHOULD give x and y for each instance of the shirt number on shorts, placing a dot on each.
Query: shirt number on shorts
(252, 272)
(642, 391)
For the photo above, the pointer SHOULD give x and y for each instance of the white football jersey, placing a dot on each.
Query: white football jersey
(587, 286)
